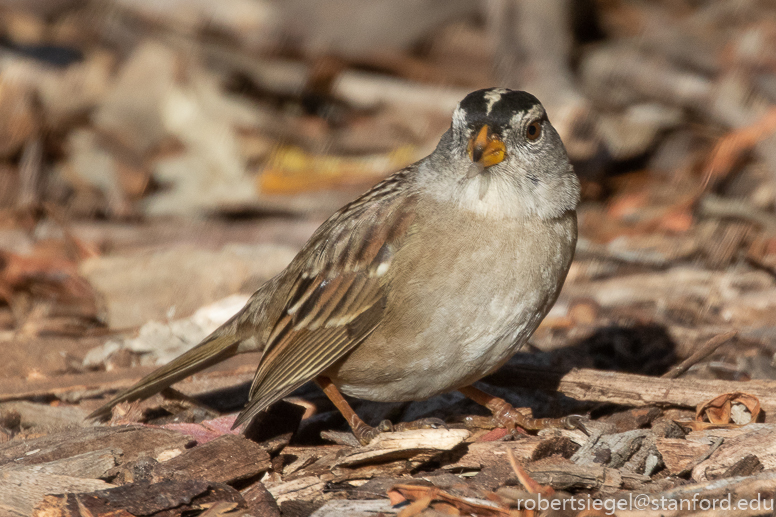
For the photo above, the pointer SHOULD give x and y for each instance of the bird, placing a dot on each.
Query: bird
(423, 285)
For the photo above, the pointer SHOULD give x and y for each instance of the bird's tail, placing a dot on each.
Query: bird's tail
(214, 349)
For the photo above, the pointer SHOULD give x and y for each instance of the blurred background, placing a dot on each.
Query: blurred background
(159, 157)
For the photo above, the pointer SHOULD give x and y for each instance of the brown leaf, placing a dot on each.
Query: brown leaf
(718, 410)
(733, 146)
(20, 271)
(527, 481)
(424, 496)
(446, 509)
(416, 507)
(395, 497)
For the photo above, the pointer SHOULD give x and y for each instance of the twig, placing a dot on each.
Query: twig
(703, 352)
(640, 390)
(29, 174)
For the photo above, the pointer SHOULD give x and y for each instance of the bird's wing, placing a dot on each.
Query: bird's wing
(337, 297)
(212, 350)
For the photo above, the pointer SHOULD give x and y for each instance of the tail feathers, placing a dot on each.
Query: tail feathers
(211, 351)
(256, 406)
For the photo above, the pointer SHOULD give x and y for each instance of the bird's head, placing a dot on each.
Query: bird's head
(503, 157)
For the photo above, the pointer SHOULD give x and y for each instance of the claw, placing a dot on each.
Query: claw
(573, 422)
(437, 423)
(363, 432)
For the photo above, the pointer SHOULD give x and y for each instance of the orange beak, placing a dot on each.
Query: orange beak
(486, 148)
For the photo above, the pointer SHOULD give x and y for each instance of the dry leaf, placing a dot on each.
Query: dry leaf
(291, 170)
(424, 496)
(733, 146)
(719, 409)
(527, 481)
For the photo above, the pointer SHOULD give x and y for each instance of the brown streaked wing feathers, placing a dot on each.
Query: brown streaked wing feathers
(337, 299)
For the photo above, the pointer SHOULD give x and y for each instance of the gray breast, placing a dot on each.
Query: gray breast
(458, 308)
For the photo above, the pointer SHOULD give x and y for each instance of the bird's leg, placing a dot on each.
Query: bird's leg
(507, 416)
(363, 432)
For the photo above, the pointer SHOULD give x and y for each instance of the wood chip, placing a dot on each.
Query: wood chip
(133, 441)
(678, 454)
(260, 502)
(565, 477)
(226, 459)
(404, 445)
(356, 509)
(753, 439)
(89, 465)
(21, 490)
(142, 499)
(303, 488)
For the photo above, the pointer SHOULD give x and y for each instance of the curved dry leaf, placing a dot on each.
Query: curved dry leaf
(718, 411)
(421, 497)
(732, 147)
(526, 480)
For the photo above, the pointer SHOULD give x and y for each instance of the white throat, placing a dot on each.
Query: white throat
(496, 196)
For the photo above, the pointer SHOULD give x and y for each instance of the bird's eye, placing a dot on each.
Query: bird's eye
(533, 131)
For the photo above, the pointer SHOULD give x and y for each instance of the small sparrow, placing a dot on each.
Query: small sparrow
(426, 283)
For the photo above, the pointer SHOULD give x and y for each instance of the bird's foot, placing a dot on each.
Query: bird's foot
(365, 433)
(424, 423)
(508, 416)
(505, 415)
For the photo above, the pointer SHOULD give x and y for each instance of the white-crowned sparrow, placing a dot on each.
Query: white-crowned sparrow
(426, 283)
